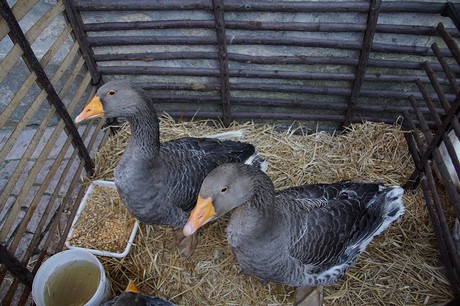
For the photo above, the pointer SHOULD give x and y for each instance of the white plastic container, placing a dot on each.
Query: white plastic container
(57, 264)
(90, 189)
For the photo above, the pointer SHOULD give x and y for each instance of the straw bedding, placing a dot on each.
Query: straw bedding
(400, 267)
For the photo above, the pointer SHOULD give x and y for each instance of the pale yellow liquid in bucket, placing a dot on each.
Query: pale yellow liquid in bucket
(72, 284)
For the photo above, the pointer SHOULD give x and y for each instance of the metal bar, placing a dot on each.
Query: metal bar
(218, 9)
(372, 19)
(18, 37)
(75, 20)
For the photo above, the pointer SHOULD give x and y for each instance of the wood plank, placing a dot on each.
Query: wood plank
(16, 52)
(368, 40)
(9, 61)
(44, 82)
(19, 170)
(20, 9)
(30, 249)
(39, 162)
(74, 18)
(224, 77)
(38, 134)
(44, 184)
(261, 6)
(9, 109)
(36, 104)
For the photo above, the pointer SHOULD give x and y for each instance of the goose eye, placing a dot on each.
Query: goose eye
(223, 190)
(111, 93)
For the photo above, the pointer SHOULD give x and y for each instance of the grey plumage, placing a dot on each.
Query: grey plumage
(301, 236)
(159, 183)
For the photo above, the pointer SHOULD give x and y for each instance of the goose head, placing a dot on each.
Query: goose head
(114, 99)
(225, 188)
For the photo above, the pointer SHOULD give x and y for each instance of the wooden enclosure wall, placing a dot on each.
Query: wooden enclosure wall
(329, 61)
(424, 143)
(42, 155)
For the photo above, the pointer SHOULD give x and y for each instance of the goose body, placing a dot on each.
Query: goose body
(159, 182)
(301, 236)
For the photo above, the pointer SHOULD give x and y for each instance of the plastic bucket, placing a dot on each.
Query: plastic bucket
(76, 270)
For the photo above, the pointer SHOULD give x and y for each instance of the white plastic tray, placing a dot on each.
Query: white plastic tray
(80, 209)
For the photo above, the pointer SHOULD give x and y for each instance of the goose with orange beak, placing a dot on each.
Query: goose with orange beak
(92, 110)
(305, 236)
(159, 181)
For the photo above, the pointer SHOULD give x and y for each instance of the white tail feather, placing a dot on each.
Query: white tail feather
(255, 160)
(228, 135)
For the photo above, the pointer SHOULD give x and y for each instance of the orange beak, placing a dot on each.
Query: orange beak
(131, 287)
(200, 215)
(92, 110)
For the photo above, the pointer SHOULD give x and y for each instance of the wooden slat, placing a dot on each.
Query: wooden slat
(38, 133)
(264, 87)
(435, 140)
(334, 27)
(372, 19)
(31, 35)
(278, 60)
(122, 40)
(20, 9)
(19, 170)
(430, 194)
(33, 172)
(448, 71)
(281, 116)
(306, 103)
(450, 42)
(44, 184)
(76, 21)
(257, 73)
(43, 81)
(262, 6)
(35, 105)
(218, 9)
(83, 85)
(11, 107)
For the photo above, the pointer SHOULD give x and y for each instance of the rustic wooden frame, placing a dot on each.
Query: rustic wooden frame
(434, 99)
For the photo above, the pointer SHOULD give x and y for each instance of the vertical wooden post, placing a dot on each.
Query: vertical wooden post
(372, 18)
(76, 22)
(218, 8)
